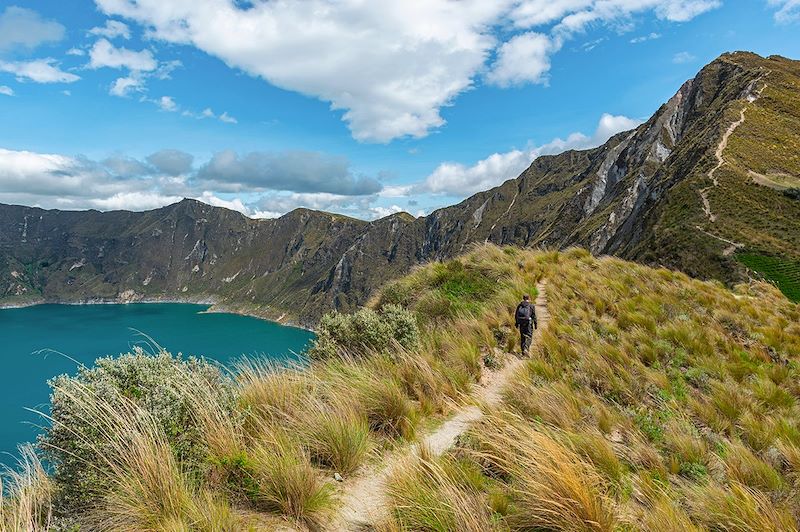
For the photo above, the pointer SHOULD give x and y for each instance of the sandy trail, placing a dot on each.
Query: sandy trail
(723, 143)
(364, 499)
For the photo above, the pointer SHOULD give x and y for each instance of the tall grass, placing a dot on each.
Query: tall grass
(651, 400)
(552, 486)
(433, 495)
(26, 495)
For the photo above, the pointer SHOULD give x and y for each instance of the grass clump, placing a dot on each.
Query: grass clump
(26, 495)
(552, 487)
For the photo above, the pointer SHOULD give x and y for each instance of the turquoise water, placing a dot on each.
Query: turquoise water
(86, 332)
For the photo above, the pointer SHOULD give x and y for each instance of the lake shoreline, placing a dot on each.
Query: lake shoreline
(215, 306)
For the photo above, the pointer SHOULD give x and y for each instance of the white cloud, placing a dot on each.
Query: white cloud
(389, 66)
(105, 55)
(66, 93)
(76, 52)
(295, 171)
(682, 57)
(112, 30)
(788, 11)
(523, 59)
(127, 85)
(305, 179)
(235, 204)
(228, 119)
(133, 201)
(5, 90)
(685, 10)
(25, 28)
(39, 71)
(456, 179)
(644, 38)
(167, 103)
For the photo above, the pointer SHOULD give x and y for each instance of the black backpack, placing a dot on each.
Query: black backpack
(524, 313)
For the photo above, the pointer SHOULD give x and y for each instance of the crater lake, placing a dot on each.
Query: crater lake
(43, 341)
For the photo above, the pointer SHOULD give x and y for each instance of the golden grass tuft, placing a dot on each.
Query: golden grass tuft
(552, 486)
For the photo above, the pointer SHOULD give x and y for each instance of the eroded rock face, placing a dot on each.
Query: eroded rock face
(612, 199)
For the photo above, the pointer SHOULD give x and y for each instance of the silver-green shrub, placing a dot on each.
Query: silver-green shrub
(159, 384)
(365, 331)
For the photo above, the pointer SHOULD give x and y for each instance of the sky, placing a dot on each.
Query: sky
(359, 107)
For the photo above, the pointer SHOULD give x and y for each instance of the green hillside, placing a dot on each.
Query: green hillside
(651, 401)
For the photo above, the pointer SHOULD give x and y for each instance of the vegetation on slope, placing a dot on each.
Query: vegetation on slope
(652, 402)
(158, 442)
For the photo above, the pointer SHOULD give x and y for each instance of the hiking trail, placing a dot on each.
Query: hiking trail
(723, 143)
(364, 498)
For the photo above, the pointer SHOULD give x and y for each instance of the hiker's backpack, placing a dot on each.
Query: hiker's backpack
(524, 314)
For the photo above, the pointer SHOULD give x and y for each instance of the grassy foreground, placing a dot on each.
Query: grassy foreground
(652, 402)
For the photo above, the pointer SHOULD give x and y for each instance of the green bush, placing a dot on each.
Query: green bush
(365, 331)
(160, 384)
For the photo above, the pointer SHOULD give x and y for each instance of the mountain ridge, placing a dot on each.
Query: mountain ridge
(642, 195)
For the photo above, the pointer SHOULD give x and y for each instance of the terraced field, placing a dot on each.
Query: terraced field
(784, 273)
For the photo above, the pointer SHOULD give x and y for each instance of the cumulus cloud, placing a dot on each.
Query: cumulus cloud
(112, 30)
(390, 67)
(523, 59)
(167, 103)
(105, 55)
(127, 85)
(25, 28)
(788, 11)
(295, 171)
(166, 176)
(456, 179)
(171, 162)
(5, 90)
(38, 71)
(276, 204)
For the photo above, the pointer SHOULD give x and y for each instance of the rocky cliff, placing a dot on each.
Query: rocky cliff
(700, 184)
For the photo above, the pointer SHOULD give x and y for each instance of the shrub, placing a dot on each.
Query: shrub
(365, 331)
(74, 439)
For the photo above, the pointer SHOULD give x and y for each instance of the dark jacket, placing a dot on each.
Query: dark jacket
(525, 315)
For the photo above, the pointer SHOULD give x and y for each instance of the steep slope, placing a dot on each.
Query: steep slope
(651, 401)
(704, 186)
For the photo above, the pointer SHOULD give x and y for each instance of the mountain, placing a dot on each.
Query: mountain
(708, 185)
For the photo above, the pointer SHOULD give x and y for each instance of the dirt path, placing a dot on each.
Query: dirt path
(730, 250)
(723, 143)
(364, 500)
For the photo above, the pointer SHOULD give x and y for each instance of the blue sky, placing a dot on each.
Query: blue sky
(357, 107)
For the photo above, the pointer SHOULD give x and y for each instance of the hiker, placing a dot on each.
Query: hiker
(525, 318)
